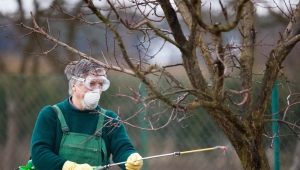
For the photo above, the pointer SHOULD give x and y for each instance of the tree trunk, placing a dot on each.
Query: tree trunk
(246, 141)
(12, 131)
(250, 150)
(252, 155)
(296, 161)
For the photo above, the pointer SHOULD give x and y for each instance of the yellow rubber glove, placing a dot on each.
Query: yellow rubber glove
(134, 162)
(68, 165)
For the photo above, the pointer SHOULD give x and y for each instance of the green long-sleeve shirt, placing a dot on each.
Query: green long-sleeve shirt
(47, 135)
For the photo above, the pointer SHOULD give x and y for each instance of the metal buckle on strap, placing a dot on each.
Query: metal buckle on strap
(65, 129)
(98, 133)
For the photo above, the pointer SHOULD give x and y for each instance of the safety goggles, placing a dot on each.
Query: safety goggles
(92, 82)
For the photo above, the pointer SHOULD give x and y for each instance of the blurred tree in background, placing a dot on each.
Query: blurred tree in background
(197, 59)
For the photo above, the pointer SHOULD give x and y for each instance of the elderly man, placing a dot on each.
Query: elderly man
(77, 134)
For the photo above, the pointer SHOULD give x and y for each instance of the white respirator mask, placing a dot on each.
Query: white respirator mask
(91, 99)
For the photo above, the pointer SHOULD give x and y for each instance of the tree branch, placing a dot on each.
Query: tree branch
(276, 57)
(37, 29)
(219, 27)
(199, 36)
(190, 61)
(173, 23)
(135, 69)
(247, 53)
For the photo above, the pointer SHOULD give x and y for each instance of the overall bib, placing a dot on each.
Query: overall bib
(82, 148)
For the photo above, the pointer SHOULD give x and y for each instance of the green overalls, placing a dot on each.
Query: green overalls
(78, 147)
(82, 148)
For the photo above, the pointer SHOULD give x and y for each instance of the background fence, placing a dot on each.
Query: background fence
(21, 98)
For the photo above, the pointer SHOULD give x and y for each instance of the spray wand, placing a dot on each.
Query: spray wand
(223, 148)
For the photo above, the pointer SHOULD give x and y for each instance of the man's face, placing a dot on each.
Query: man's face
(79, 91)
(87, 92)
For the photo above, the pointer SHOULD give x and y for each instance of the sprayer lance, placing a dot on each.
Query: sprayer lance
(224, 148)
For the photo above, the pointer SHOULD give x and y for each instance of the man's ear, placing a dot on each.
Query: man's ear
(73, 88)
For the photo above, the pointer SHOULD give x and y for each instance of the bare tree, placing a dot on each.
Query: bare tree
(242, 121)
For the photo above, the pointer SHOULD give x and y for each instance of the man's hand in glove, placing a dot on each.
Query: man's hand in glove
(68, 165)
(134, 162)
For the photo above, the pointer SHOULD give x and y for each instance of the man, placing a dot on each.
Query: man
(77, 134)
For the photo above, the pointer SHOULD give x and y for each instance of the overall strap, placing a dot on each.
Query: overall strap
(64, 126)
(98, 132)
(99, 128)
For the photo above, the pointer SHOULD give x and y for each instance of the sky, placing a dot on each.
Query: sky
(8, 7)
(11, 6)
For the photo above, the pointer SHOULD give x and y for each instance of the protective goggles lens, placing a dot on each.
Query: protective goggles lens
(94, 82)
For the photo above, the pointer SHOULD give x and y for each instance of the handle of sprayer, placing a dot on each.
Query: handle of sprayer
(105, 167)
(98, 168)
(144, 158)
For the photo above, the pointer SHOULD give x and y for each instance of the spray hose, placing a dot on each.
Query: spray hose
(223, 148)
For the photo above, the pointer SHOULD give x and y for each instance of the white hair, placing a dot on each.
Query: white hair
(82, 68)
